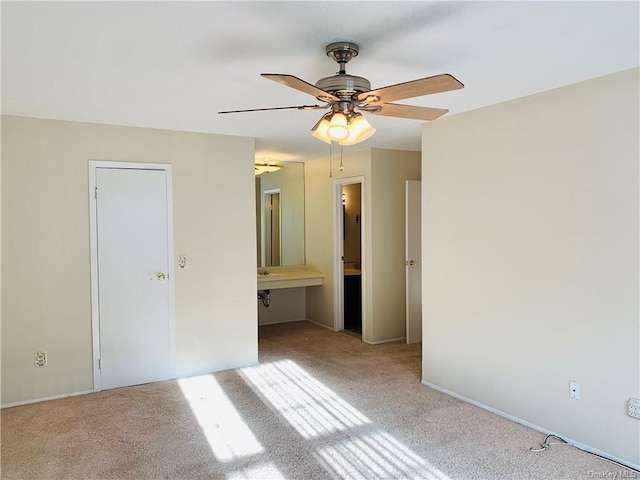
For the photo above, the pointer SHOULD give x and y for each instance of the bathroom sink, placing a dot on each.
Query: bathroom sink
(288, 277)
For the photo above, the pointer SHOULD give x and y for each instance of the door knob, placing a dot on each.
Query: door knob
(413, 262)
(161, 276)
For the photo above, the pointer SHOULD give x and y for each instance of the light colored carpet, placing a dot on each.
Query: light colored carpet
(320, 405)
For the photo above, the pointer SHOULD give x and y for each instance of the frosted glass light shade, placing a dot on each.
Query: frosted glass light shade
(359, 130)
(320, 130)
(336, 127)
(338, 130)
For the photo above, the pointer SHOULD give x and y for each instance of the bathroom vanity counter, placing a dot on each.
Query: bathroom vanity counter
(288, 277)
(352, 271)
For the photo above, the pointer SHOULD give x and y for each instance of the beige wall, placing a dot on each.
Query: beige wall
(384, 173)
(0, 266)
(389, 171)
(530, 251)
(287, 305)
(46, 262)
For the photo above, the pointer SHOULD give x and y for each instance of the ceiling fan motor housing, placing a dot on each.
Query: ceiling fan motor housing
(344, 85)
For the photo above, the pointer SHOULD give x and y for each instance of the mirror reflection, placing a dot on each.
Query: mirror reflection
(280, 215)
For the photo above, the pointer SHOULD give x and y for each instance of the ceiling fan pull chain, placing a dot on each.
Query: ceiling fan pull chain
(341, 168)
(330, 163)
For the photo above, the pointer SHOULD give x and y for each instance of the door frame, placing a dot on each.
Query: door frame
(93, 238)
(408, 267)
(338, 252)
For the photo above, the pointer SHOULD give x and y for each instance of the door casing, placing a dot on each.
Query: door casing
(93, 235)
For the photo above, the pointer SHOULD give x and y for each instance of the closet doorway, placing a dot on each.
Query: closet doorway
(131, 273)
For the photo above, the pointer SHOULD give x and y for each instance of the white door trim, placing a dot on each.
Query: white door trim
(412, 252)
(93, 235)
(338, 244)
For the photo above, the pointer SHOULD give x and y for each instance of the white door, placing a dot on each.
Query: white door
(133, 284)
(412, 257)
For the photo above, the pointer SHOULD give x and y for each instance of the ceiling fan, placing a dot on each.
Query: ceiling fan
(349, 95)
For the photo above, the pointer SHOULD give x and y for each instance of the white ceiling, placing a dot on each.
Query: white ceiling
(174, 65)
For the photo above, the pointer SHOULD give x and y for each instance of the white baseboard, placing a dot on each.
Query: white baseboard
(579, 445)
(320, 324)
(282, 321)
(44, 399)
(384, 341)
(198, 373)
(365, 341)
(298, 320)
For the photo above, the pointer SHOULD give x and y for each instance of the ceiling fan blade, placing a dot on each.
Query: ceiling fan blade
(415, 88)
(298, 84)
(409, 111)
(299, 107)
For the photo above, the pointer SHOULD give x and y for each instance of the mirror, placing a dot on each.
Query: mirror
(280, 216)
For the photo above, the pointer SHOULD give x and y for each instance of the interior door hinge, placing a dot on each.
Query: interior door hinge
(99, 364)
(96, 192)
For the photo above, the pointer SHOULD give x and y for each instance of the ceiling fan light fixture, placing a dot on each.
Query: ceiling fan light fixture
(338, 130)
(357, 128)
(261, 168)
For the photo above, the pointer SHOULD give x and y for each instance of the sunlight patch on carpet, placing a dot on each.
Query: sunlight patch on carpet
(309, 406)
(376, 455)
(262, 471)
(228, 436)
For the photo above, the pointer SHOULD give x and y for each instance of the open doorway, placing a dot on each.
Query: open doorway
(349, 256)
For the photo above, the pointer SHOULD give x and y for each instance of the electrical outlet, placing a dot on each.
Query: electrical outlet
(574, 390)
(40, 358)
(634, 407)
